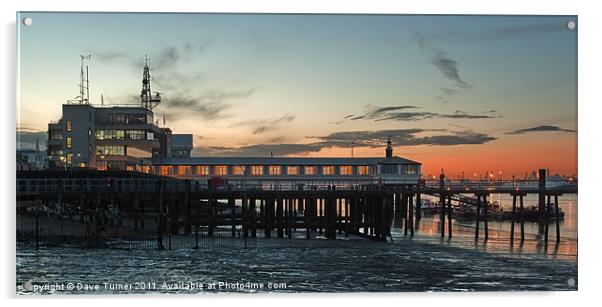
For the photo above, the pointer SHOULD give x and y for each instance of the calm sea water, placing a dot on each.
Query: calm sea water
(422, 263)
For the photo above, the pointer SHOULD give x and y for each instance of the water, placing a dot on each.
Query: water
(422, 263)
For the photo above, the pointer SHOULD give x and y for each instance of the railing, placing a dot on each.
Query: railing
(492, 185)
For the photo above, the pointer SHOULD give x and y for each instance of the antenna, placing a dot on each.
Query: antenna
(147, 99)
(84, 85)
(102, 100)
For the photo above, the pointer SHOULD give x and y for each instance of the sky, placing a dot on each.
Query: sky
(462, 94)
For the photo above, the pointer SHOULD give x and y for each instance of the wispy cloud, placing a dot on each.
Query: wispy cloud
(209, 105)
(543, 128)
(509, 32)
(347, 139)
(448, 67)
(271, 124)
(399, 113)
(404, 137)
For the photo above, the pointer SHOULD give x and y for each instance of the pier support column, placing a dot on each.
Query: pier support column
(485, 219)
(411, 212)
(232, 206)
(449, 216)
(279, 216)
(522, 220)
(513, 219)
(477, 217)
(557, 216)
(418, 203)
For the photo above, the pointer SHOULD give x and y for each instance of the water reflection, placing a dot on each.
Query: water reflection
(429, 230)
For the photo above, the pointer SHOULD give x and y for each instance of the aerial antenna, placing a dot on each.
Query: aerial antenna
(147, 99)
(84, 84)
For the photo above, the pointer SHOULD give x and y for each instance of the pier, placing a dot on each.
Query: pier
(137, 204)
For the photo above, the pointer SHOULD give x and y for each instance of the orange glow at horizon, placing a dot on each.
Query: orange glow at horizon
(524, 154)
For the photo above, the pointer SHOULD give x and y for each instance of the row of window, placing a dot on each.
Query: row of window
(108, 134)
(260, 170)
(127, 119)
(111, 150)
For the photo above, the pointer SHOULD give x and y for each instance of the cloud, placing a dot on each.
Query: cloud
(209, 105)
(448, 67)
(446, 94)
(544, 128)
(509, 32)
(257, 150)
(398, 113)
(347, 139)
(403, 137)
(260, 126)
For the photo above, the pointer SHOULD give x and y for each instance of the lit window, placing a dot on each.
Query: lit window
(202, 170)
(292, 170)
(310, 170)
(238, 170)
(363, 170)
(346, 170)
(220, 170)
(82, 164)
(165, 170)
(257, 170)
(69, 158)
(328, 170)
(69, 126)
(274, 169)
(183, 170)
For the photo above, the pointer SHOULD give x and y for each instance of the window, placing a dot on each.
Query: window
(363, 170)
(274, 169)
(346, 170)
(183, 170)
(69, 126)
(257, 170)
(55, 134)
(202, 170)
(389, 169)
(220, 170)
(409, 169)
(118, 118)
(110, 134)
(138, 153)
(69, 142)
(292, 170)
(328, 170)
(238, 170)
(69, 158)
(310, 170)
(103, 150)
(135, 135)
(165, 170)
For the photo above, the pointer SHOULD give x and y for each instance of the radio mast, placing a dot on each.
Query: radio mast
(147, 99)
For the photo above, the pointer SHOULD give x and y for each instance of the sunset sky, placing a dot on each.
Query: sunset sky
(461, 93)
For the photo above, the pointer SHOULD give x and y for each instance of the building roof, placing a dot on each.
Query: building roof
(279, 161)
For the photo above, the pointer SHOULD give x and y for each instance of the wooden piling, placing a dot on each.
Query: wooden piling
(232, 206)
(522, 220)
(485, 219)
(547, 220)
(557, 216)
(279, 216)
(477, 217)
(411, 211)
(513, 218)
(449, 217)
